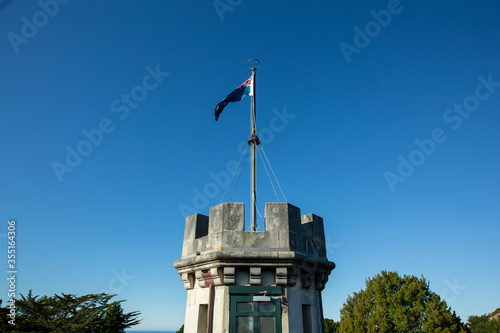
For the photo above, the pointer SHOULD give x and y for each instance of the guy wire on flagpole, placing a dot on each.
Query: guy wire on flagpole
(254, 142)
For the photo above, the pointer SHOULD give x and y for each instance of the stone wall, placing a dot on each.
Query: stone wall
(224, 229)
(218, 254)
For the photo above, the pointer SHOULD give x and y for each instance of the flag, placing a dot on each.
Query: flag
(243, 90)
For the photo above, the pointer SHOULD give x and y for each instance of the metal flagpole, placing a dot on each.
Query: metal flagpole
(254, 142)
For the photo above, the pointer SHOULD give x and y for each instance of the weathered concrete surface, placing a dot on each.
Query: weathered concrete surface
(218, 253)
(286, 229)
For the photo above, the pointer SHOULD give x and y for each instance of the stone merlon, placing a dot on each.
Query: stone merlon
(224, 230)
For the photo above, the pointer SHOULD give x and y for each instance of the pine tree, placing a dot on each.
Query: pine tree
(67, 313)
(391, 303)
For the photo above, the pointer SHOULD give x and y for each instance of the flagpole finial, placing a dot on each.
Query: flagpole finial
(253, 63)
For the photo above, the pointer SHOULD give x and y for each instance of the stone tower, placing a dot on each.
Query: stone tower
(241, 281)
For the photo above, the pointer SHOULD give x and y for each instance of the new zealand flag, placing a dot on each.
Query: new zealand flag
(240, 92)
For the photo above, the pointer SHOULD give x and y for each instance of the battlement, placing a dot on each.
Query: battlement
(224, 230)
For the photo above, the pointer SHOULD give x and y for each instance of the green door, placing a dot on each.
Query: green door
(255, 314)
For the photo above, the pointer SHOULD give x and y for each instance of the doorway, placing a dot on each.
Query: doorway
(255, 309)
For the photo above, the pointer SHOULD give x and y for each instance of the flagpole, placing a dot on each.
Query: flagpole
(254, 142)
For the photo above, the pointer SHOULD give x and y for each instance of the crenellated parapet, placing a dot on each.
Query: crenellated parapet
(224, 229)
(218, 251)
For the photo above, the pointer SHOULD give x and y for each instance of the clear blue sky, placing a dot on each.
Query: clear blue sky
(356, 105)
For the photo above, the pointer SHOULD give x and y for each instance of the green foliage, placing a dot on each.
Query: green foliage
(331, 326)
(116, 321)
(391, 303)
(181, 330)
(4, 322)
(483, 324)
(93, 313)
